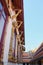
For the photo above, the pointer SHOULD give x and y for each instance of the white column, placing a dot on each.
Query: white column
(13, 43)
(16, 49)
(25, 63)
(7, 41)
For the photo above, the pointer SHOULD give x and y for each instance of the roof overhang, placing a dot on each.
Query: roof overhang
(18, 4)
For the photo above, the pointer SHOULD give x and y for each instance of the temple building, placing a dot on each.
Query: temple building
(33, 58)
(12, 35)
(12, 38)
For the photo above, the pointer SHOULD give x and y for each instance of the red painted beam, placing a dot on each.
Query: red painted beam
(39, 55)
(5, 7)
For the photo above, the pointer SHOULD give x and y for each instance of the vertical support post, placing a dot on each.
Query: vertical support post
(2, 39)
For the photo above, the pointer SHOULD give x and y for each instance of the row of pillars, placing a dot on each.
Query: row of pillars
(5, 29)
(15, 26)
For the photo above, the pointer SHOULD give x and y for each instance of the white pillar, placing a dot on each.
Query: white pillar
(7, 41)
(16, 49)
(14, 42)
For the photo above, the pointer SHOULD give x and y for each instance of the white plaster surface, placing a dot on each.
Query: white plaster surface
(7, 41)
(12, 64)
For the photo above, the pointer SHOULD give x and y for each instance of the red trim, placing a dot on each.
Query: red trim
(5, 7)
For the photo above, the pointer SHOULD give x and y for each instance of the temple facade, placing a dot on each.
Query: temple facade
(12, 38)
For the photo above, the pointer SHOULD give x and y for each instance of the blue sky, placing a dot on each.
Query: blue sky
(33, 20)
